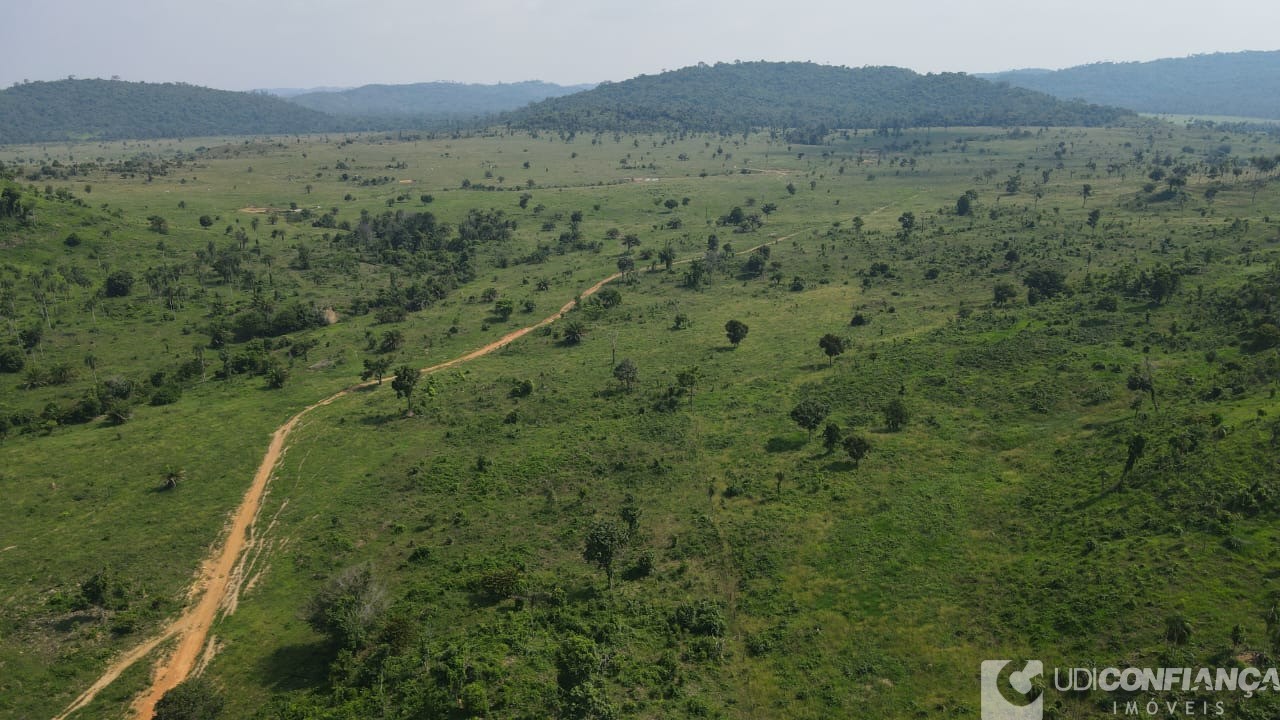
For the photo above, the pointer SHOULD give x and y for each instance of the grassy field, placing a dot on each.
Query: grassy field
(761, 575)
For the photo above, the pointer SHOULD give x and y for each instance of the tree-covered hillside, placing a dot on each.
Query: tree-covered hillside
(109, 109)
(803, 95)
(433, 98)
(1245, 84)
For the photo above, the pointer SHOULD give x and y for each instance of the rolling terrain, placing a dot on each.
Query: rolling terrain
(1241, 84)
(986, 316)
(807, 97)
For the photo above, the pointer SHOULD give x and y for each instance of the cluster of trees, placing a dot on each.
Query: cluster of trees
(13, 207)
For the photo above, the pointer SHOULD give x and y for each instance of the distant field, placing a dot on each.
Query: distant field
(1185, 119)
(1014, 308)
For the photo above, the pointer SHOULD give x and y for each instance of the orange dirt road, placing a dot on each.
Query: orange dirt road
(220, 581)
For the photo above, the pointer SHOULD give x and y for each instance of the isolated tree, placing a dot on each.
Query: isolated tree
(1177, 629)
(11, 359)
(667, 256)
(1086, 192)
(504, 307)
(192, 699)
(626, 265)
(1137, 445)
(375, 368)
(1004, 292)
(1044, 283)
(405, 381)
(604, 541)
(630, 240)
(696, 275)
(908, 222)
(609, 297)
(809, 414)
(895, 414)
(831, 436)
(118, 284)
(349, 607)
(736, 331)
(574, 331)
(91, 362)
(173, 476)
(206, 221)
(671, 204)
(630, 513)
(277, 375)
(832, 345)
(392, 340)
(1094, 216)
(857, 448)
(687, 379)
(626, 373)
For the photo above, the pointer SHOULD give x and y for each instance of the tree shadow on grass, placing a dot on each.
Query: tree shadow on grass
(297, 667)
(785, 443)
(379, 419)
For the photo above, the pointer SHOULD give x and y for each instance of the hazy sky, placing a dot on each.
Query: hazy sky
(245, 44)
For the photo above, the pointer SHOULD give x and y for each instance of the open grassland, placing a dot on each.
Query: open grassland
(761, 575)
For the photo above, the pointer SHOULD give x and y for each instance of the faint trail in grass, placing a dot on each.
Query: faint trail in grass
(222, 577)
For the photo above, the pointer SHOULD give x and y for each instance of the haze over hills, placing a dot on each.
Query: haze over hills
(113, 109)
(803, 95)
(432, 98)
(1245, 84)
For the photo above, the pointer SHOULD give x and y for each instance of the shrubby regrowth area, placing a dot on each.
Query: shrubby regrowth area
(853, 415)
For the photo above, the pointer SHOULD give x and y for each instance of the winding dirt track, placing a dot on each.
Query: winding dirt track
(221, 579)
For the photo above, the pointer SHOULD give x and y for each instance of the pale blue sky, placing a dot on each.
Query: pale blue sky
(244, 44)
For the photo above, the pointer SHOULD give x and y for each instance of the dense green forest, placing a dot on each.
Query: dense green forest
(1243, 84)
(738, 96)
(432, 99)
(112, 109)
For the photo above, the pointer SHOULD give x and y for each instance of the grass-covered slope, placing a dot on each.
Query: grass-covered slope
(738, 96)
(111, 109)
(1245, 84)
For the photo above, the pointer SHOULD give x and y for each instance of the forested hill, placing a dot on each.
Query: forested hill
(1245, 84)
(736, 96)
(432, 98)
(110, 109)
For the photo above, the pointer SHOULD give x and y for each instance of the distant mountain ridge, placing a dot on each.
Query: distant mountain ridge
(432, 98)
(114, 109)
(732, 97)
(1245, 84)
(723, 97)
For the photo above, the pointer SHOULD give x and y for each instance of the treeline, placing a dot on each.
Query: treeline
(735, 97)
(1245, 84)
